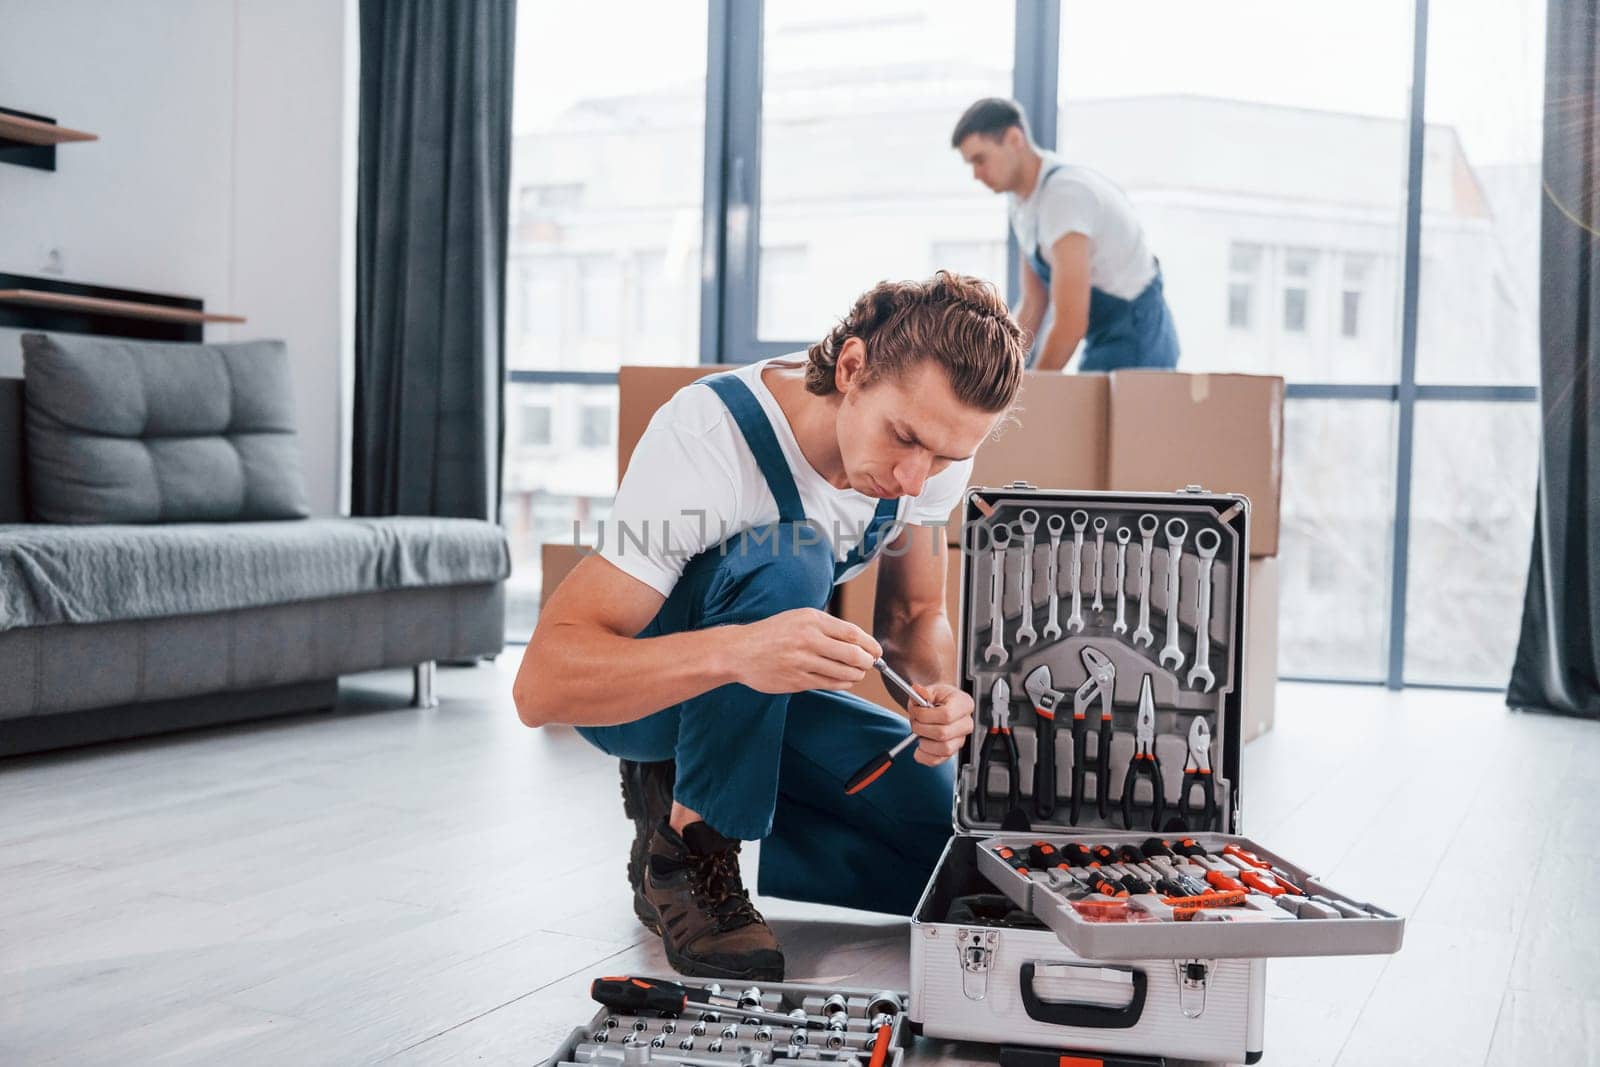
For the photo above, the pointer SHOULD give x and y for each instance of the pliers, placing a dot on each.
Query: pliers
(1098, 686)
(1144, 762)
(999, 738)
(1197, 772)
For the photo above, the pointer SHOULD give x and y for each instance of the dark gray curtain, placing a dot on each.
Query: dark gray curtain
(433, 177)
(1558, 657)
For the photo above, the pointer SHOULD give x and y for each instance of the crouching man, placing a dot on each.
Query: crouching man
(693, 646)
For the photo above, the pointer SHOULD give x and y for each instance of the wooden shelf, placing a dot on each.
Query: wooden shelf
(31, 131)
(124, 308)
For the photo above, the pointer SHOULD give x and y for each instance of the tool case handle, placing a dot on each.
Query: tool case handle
(1095, 1016)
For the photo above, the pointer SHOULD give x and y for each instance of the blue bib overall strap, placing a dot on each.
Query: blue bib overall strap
(752, 421)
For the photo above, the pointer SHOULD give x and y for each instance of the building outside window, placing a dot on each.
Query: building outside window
(536, 423)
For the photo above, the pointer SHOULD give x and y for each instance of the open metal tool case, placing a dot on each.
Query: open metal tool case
(1101, 788)
(728, 1035)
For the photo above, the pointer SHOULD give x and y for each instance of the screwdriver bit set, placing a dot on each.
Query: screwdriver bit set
(1100, 637)
(1101, 640)
(742, 1025)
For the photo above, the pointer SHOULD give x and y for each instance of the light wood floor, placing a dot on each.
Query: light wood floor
(385, 884)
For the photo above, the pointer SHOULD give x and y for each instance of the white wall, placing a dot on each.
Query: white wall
(225, 170)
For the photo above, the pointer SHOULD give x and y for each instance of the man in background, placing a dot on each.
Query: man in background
(1082, 249)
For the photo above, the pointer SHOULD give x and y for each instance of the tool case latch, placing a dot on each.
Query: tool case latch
(1196, 489)
(1020, 485)
(1193, 977)
(977, 948)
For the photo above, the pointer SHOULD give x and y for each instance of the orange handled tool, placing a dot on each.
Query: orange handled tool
(873, 769)
(880, 1046)
(1250, 859)
(1268, 883)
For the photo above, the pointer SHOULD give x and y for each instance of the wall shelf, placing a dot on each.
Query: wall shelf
(53, 305)
(127, 309)
(32, 131)
(30, 140)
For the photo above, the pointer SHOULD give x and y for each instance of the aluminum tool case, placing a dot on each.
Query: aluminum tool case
(580, 1045)
(1048, 974)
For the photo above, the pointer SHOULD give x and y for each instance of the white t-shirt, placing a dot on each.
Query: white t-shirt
(692, 483)
(1079, 200)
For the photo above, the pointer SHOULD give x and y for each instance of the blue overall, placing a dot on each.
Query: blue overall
(773, 766)
(1121, 333)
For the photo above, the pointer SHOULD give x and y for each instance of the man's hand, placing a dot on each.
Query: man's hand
(943, 727)
(802, 649)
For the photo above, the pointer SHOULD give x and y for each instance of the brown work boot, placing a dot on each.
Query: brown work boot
(647, 800)
(704, 915)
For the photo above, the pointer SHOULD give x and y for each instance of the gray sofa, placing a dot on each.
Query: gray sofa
(157, 570)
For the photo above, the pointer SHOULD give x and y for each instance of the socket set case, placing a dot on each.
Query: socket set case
(1100, 791)
(728, 1036)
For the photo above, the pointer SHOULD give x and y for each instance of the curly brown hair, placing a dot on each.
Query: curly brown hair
(954, 319)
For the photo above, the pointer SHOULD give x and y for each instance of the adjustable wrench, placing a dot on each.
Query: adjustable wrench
(1099, 563)
(1206, 542)
(1080, 521)
(1055, 524)
(995, 653)
(1177, 530)
(1029, 522)
(1098, 686)
(1124, 535)
(1045, 702)
(1147, 538)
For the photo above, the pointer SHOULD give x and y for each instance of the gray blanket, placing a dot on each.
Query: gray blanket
(80, 574)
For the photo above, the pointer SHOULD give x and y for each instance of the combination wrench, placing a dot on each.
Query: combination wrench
(1148, 524)
(1080, 522)
(1206, 542)
(995, 653)
(1124, 535)
(1177, 530)
(1099, 563)
(1029, 521)
(1054, 525)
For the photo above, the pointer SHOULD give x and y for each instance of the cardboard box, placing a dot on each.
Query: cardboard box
(1261, 647)
(640, 391)
(1058, 440)
(1129, 430)
(1220, 431)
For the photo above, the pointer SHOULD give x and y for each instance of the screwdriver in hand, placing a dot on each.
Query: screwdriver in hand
(871, 770)
(634, 996)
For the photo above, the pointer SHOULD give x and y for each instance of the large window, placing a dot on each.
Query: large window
(858, 179)
(1346, 196)
(1256, 164)
(604, 254)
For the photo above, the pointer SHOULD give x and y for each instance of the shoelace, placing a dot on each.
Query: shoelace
(728, 900)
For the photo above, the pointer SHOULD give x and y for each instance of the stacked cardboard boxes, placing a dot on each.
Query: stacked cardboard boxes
(1126, 431)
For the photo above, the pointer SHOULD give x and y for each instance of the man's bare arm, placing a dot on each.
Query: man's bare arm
(1069, 292)
(1035, 300)
(585, 666)
(909, 615)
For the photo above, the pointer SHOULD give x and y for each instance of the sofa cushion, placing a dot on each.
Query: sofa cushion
(125, 431)
(91, 574)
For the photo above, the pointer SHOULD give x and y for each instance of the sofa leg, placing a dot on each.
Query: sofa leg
(422, 695)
